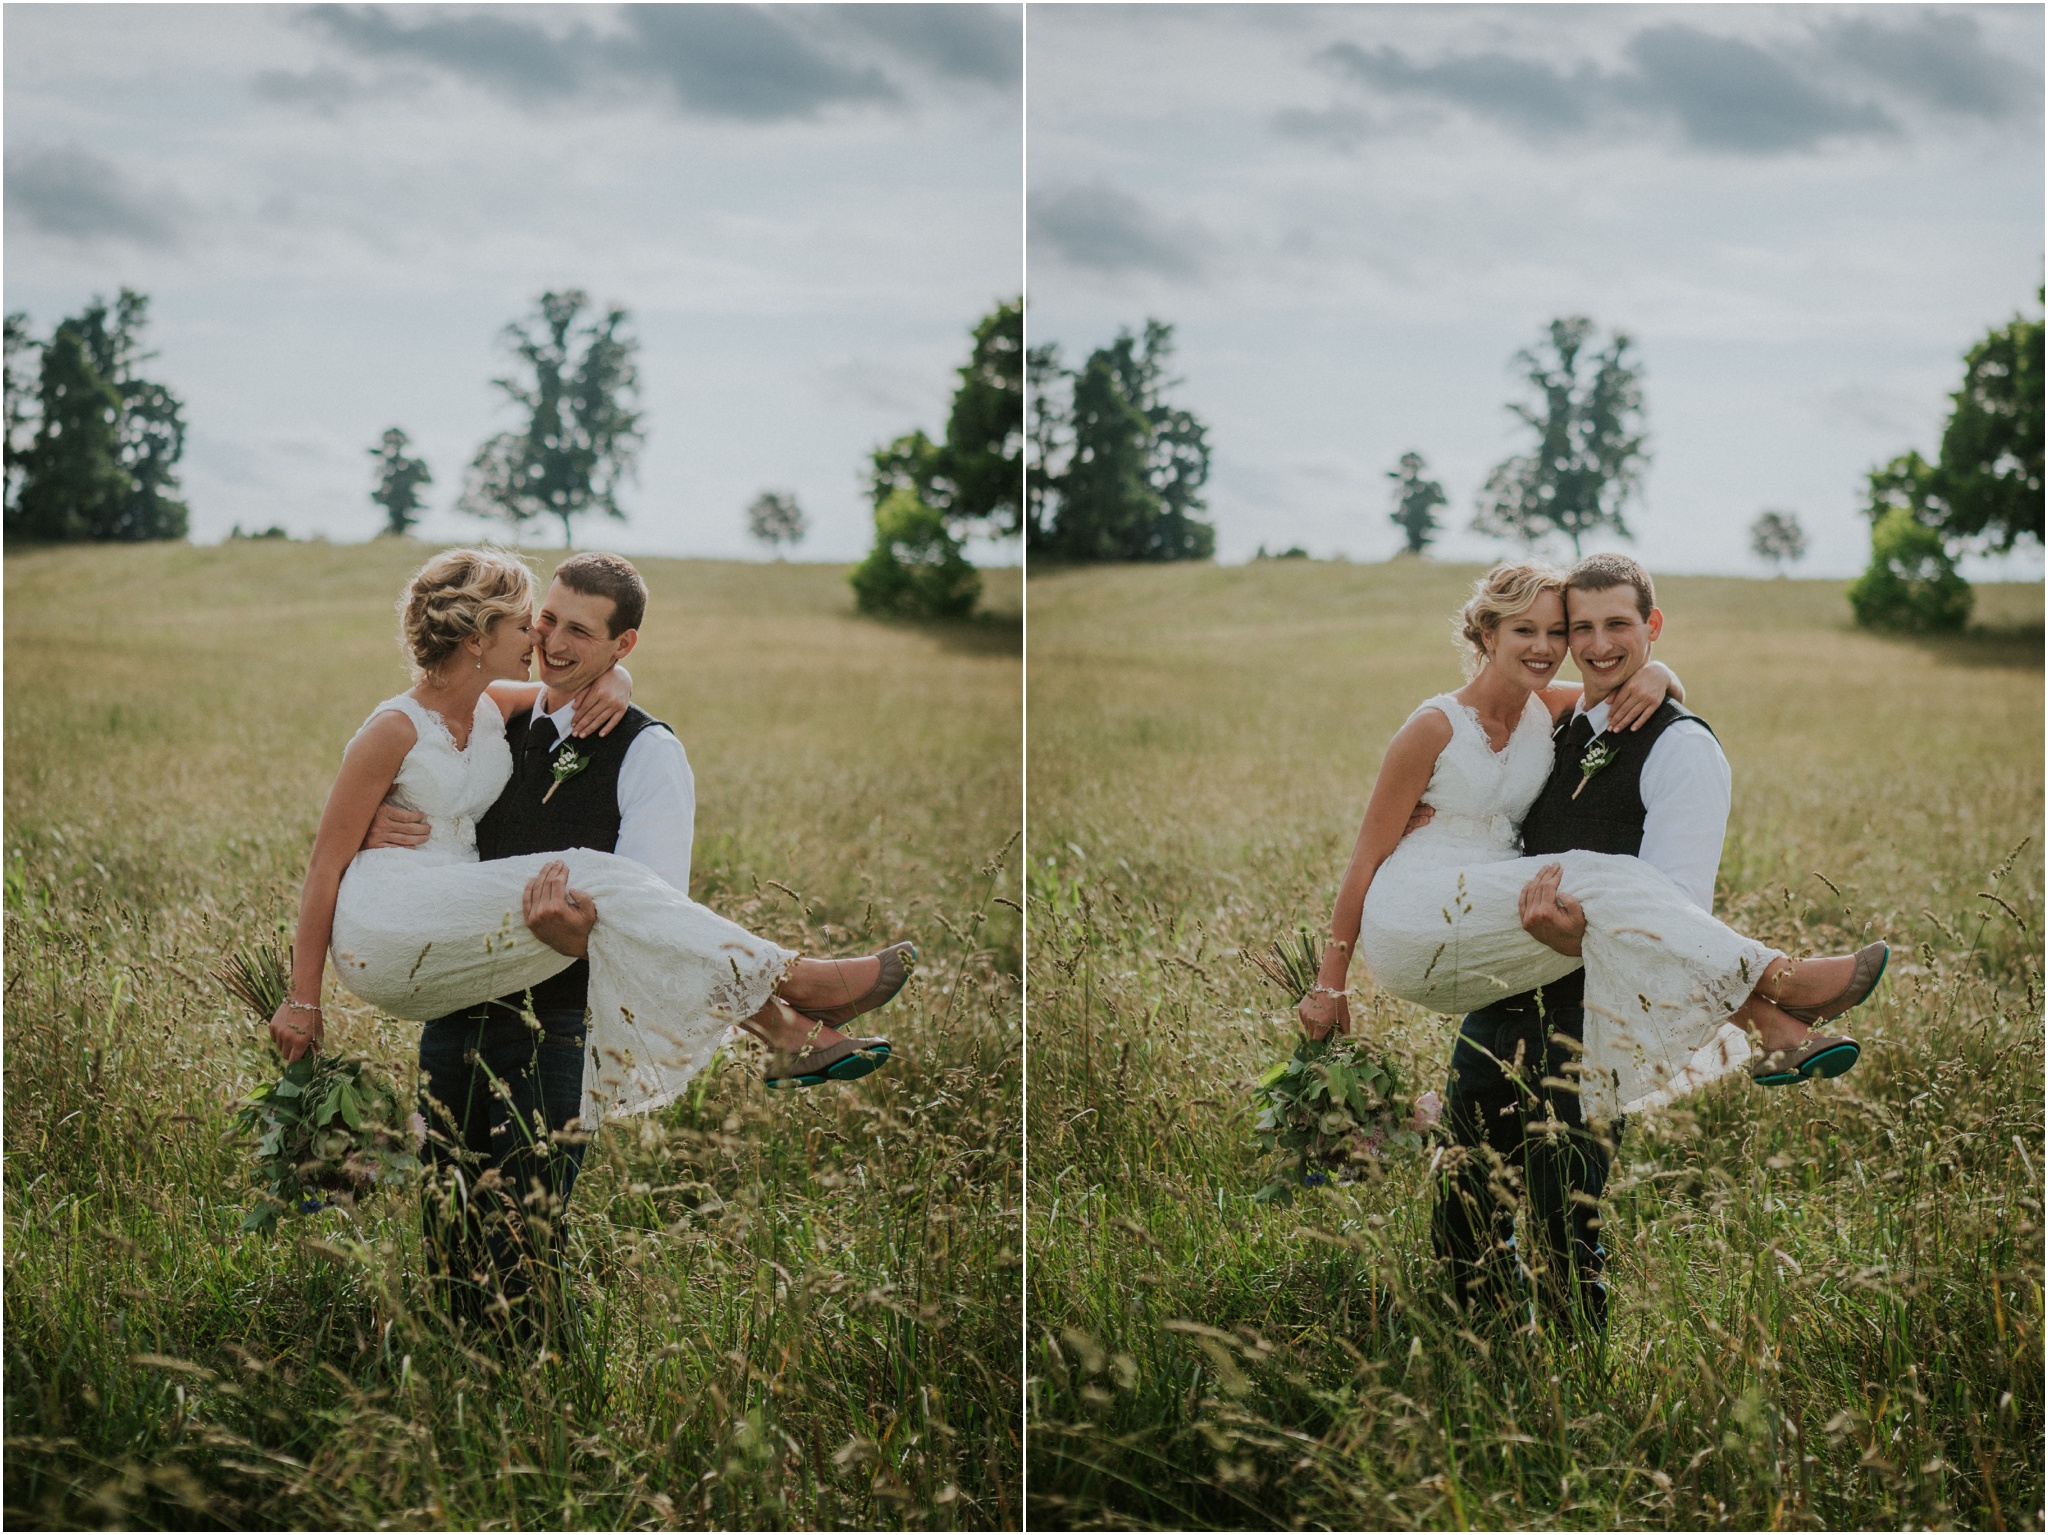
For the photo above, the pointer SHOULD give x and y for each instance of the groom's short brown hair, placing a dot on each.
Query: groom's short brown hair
(1600, 572)
(608, 575)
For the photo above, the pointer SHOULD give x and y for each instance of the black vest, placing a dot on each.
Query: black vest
(1606, 817)
(583, 812)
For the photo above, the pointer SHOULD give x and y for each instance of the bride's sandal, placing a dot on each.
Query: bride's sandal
(1822, 1055)
(844, 1060)
(897, 962)
(1870, 962)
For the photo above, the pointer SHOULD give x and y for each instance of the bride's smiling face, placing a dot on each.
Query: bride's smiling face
(1528, 648)
(507, 652)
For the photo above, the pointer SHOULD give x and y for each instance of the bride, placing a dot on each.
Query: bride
(1437, 913)
(424, 932)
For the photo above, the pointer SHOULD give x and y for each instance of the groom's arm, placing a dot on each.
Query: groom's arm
(1686, 790)
(658, 806)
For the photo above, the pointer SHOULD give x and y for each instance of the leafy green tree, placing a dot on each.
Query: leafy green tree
(58, 459)
(1051, 427)
(582, 435)
(73, 484)
(152, 424)
(1911, 585)
(400, 478)
(984, 450)
(1988, 480)
(916, 568)
(775, 519)
(1134, 464)
(1778, 538)
(1589, 453)
(1415, 503)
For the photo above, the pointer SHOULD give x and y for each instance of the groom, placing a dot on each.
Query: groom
(1513, 1100)
(502, 1097)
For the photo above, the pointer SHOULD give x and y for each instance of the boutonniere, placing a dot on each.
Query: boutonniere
(567, 765)
(1598, 755)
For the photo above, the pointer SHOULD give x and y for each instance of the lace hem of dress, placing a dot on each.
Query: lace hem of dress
(750, 986)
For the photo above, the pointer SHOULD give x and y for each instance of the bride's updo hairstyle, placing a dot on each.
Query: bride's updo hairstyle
(457, 594)
(1503, 592)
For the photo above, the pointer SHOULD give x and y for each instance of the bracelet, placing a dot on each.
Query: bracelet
(302, 1007)
(1324, 991)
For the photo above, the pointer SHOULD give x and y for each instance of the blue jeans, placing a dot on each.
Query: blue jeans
(499, 1091)
(1512, 1120)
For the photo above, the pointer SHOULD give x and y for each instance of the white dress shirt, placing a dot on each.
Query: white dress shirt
(1686, 792)
(657, 798)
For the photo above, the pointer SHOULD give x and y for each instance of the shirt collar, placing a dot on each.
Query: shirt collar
(563, 717)
(1595, 716)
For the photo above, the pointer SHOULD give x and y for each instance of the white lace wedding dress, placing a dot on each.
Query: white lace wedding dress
(1442, 927)
(421, 932)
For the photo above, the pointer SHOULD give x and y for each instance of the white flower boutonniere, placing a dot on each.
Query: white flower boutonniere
(1598, 755)
(567, 765)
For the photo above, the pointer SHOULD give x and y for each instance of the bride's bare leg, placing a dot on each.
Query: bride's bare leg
(1777, 1029)
(817, 984)
(1805, 982)
(780, 1027)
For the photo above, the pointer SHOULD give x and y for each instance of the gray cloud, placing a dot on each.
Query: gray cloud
(982, 43)
(1941, 60)
(1720, 93)
(68, 190)
(1106, 229)
(751, 63)
(1520, 93)
(1728, 94)
(512, 57)
(744, 62)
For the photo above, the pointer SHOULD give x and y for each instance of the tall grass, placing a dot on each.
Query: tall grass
(798, 1310)
(1827, 1301)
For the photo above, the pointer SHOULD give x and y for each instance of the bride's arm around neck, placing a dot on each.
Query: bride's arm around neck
(1404, 775)
(368, 769)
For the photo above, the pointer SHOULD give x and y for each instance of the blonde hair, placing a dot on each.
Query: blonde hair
(1503, 592)
(458, 594)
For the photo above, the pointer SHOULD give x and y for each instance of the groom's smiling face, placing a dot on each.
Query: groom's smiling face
(576, 645)
(1610, 636)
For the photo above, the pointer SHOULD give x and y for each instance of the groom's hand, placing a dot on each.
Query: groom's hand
(1418, 818)
(559, 917)
(393, 826)
(1550, 916)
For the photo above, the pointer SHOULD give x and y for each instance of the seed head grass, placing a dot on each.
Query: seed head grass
(798, 1310)
(1826, 1301)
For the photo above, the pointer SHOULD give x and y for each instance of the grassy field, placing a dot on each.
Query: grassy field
(1828, 1301)
(804, 1308)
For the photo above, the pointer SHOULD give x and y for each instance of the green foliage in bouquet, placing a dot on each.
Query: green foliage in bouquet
(1336, 1107)
(329, 1129)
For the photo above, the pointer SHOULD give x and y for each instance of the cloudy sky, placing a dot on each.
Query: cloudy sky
(1355, 215)
(335, 209)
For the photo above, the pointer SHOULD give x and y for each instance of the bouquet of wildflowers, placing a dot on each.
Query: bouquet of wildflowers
(1336, 1108)
(330, 1129)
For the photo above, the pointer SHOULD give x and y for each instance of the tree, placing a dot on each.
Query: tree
(1134, 464)
(582, 435)
(1912, 584)
(984, 450)
(916, 568)
(1778, 538)
(145, 435)
(775, 519)
(1589, 455)
(400, 478)
(1988, 479)
(1051, 425)
(72, 480)
(1415, 503)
